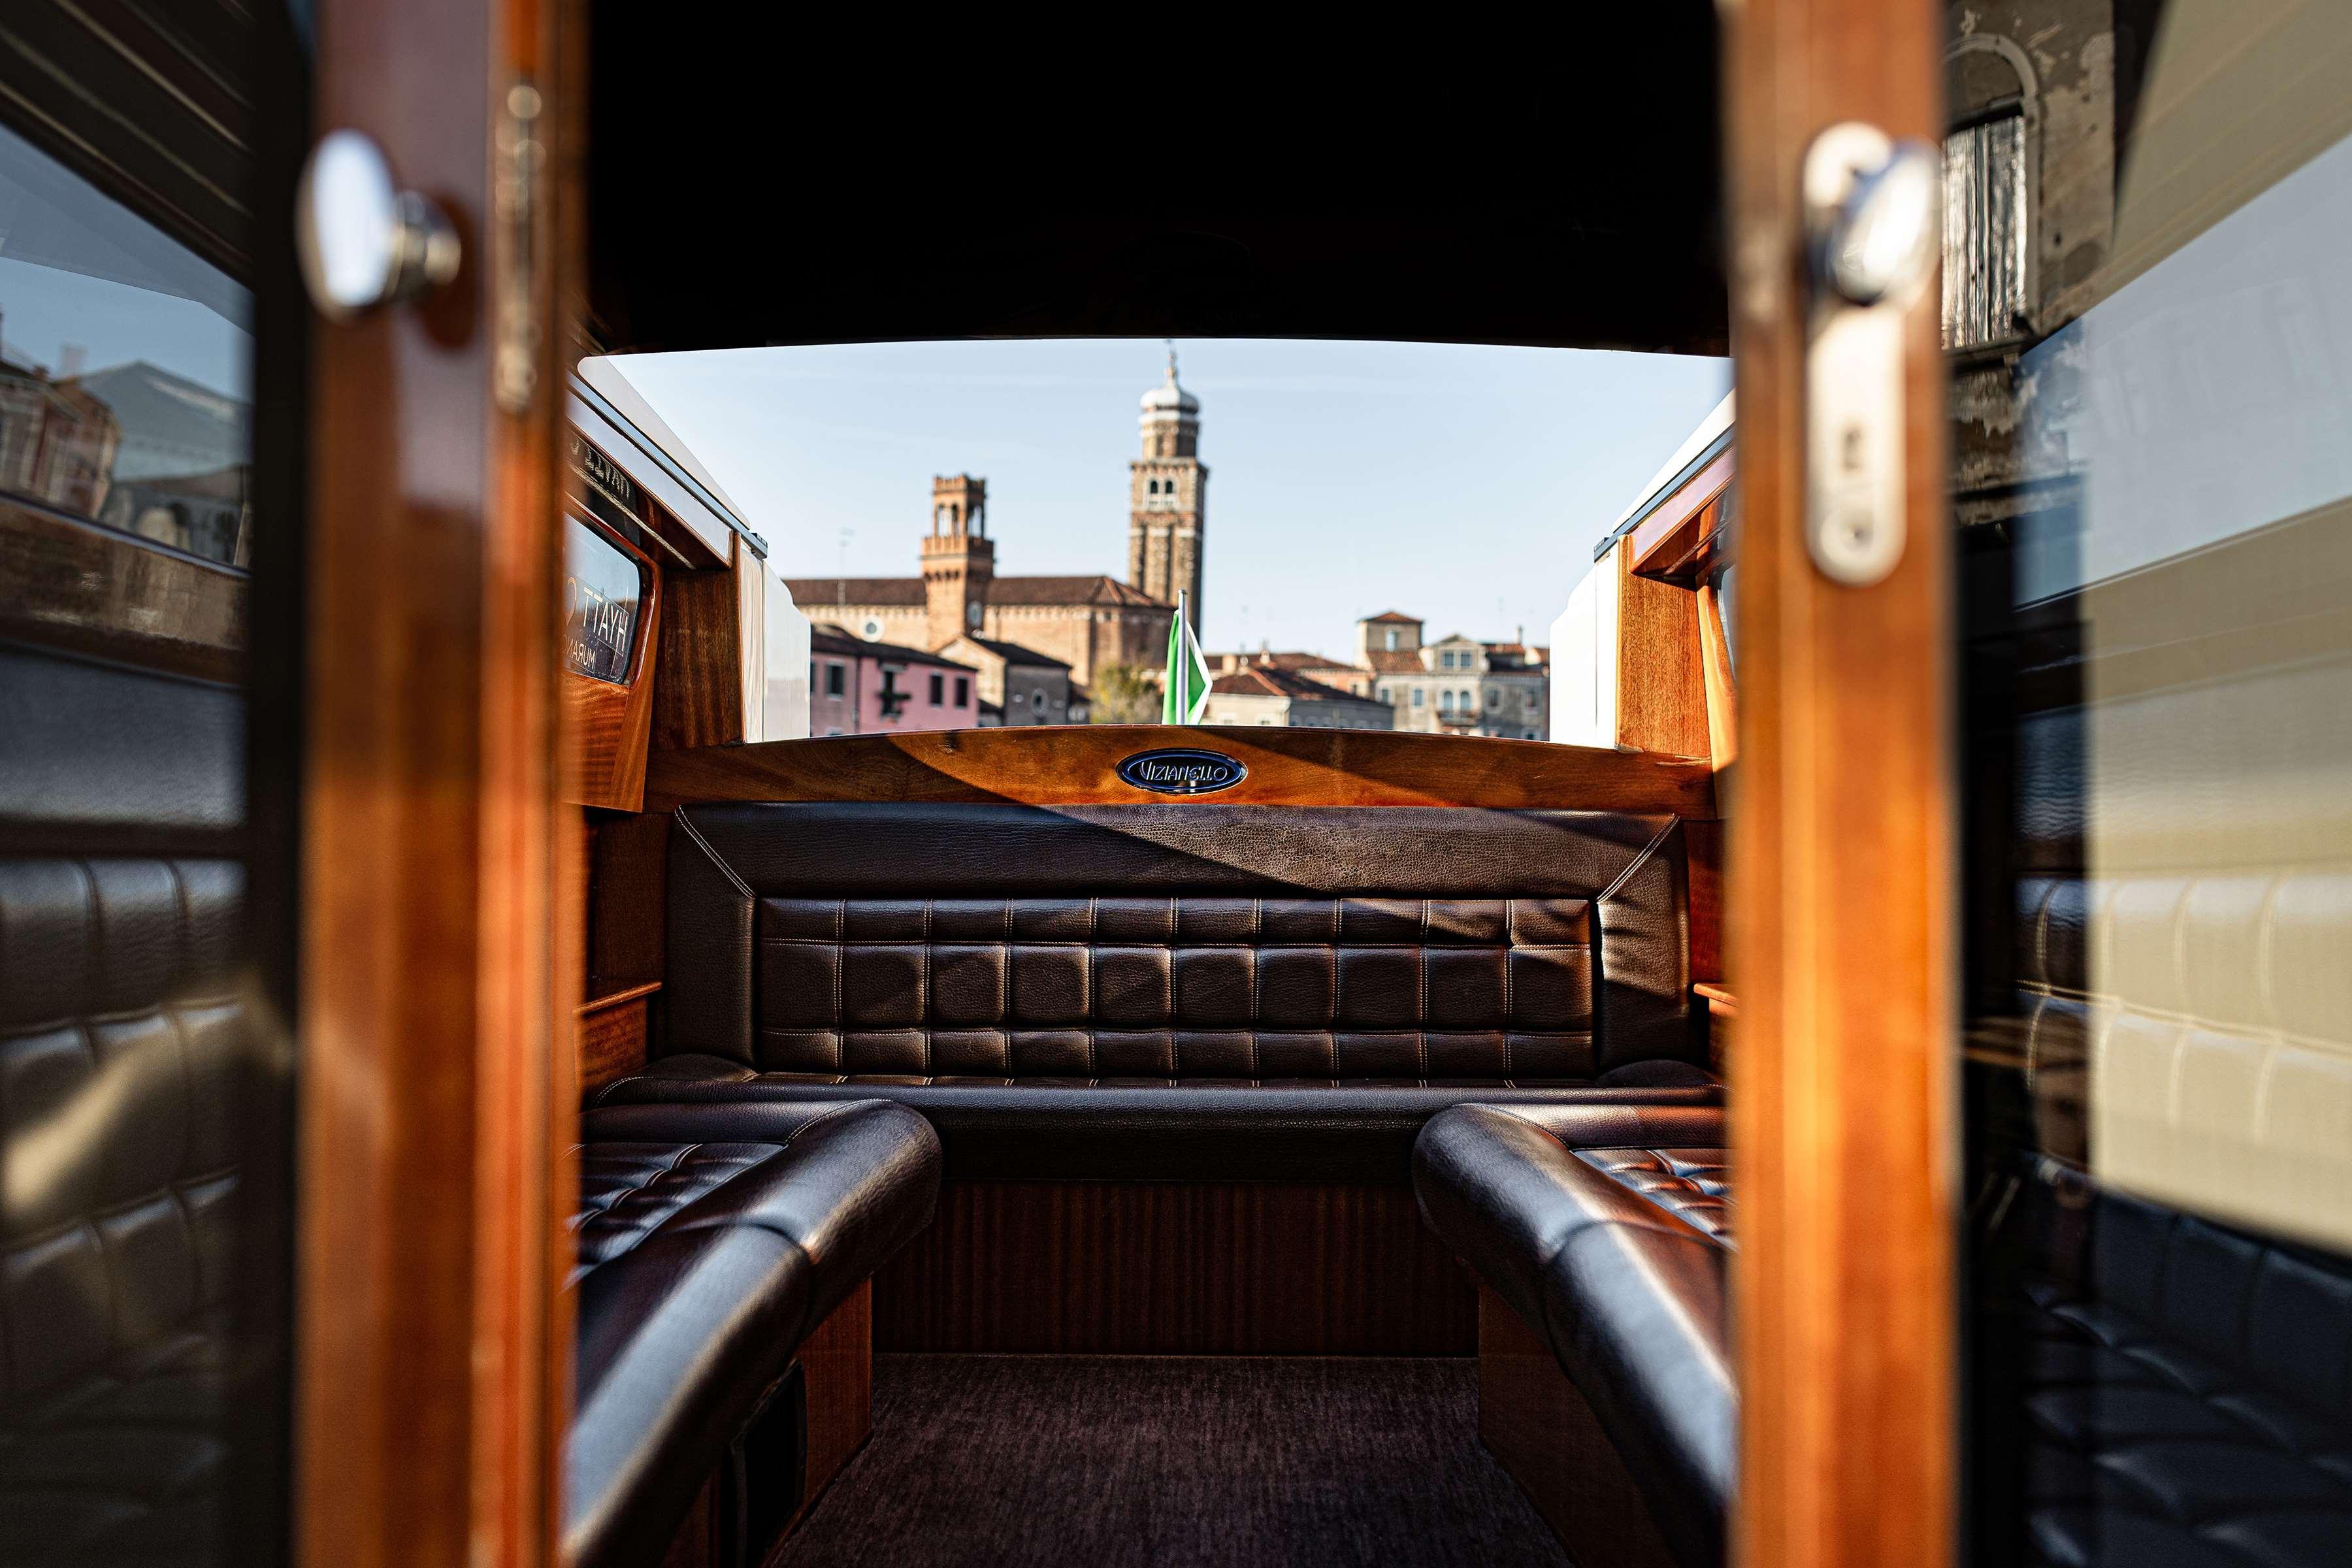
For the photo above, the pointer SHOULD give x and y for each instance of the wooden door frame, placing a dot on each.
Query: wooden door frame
(434, 881)
(1840, 923)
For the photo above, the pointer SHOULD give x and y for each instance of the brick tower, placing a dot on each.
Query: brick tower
(1167, 498)
(959, 559)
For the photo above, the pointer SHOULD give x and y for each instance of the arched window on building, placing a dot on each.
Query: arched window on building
(1988, 194)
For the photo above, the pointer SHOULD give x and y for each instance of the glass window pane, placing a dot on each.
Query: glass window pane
(2153, 506)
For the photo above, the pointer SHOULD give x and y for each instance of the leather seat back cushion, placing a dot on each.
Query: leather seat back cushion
(1177, 944)
(127, 1095)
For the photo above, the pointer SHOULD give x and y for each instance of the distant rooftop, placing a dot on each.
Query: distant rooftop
(1262, 681)
(1013, 653)
(821, 640)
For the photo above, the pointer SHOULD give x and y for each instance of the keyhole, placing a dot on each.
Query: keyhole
(1852, 448)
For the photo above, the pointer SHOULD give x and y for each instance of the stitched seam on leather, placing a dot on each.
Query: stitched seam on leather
(182, 973)
(712, 855)
(1257, 984)
(1339, 977)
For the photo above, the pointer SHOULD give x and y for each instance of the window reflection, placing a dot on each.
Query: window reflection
(2153, 497)
(124, 360)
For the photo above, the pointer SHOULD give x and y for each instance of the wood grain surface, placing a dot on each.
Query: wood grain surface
(1168, 1269)
(1075, 766)
(1839, 917)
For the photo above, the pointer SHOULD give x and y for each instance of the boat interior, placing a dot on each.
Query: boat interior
(470, 1094)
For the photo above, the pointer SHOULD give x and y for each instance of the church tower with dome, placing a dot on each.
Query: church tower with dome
(1167, 498)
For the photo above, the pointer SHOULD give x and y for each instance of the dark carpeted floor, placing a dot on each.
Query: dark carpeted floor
(1087, 1462)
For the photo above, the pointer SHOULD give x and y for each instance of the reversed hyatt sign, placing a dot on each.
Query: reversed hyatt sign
(1181, 771)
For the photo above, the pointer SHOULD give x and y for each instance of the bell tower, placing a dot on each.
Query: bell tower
(1167, 498)
(959, 559)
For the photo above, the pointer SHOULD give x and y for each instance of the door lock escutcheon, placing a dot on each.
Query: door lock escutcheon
(1872, 209)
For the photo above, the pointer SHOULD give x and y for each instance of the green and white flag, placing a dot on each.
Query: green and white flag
(1187, 692)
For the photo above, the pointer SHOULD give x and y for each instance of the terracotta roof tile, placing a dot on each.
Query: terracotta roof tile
(810, 593)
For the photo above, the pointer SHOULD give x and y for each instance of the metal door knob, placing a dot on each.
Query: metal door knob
(1873, 205)
(363, 241)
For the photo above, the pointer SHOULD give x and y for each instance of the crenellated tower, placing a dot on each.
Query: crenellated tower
(1168, 495)
(959, 559)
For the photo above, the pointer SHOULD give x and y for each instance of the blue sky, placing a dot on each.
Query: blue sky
(1466, 485)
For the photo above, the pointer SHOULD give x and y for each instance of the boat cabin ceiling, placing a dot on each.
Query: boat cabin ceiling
(1389, 186)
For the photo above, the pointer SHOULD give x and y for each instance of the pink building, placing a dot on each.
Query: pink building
(858, 688)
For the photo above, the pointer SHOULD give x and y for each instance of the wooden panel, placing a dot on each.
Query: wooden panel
(1669, 538)
(1164, 1268)
(432, 1343)
(1661, 687)
(72, 585)
(837, 1374)
(698, 679)
(629, 856)
(1722, 691)
(610, 1041)
(1074, 766)
(1542, 1432)
(1838, 919)
(607, 725)
(1703, 850)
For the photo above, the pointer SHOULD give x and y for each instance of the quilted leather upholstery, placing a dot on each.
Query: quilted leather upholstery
(701, 1266)
(1692, 1184)
(1173, 989)
(122, 1031)
(1187, 991)
(2188, 1390)
(1615, 1254)
(1154, 944)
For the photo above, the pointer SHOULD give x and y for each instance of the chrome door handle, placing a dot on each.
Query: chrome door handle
(1872, 232)
(365, 242)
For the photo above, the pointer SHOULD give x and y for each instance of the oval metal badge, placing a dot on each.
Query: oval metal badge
(1182, 769)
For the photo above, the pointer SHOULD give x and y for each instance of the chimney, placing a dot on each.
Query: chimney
(71, 358)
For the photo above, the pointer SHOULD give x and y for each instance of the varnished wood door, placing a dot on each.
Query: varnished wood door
(1837, 920)
(428, 1406)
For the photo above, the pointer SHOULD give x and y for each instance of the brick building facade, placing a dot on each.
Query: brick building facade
(1089, 622)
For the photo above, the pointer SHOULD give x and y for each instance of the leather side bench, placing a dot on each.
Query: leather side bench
(1606, 1230)
(703, 1265)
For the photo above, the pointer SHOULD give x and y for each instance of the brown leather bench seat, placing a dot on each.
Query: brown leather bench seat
(1180, 991)
(139, 1359)
(1607, 1228)
(707, 1255)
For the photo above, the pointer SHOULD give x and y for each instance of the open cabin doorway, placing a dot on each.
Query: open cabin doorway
(412, 736)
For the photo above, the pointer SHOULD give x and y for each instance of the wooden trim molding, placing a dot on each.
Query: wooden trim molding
(1077, 766)
(1840, 920)
(608, 724)
(1684, 528)
(83, 588)
(610, 1037)
(1722, 690)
